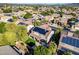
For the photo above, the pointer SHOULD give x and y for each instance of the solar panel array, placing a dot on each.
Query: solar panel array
(40, 30)
(71, 41)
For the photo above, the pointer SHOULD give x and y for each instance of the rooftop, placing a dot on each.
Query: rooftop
(40, 30)
(71, 41)
(7, 50)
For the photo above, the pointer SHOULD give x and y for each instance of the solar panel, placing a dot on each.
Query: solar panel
(71, 41)
(78, 43)
(40, 30)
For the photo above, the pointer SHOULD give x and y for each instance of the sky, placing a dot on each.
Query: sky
(39, 1)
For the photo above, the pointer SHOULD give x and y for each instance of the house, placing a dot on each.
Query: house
(77, 26)
(67, 16)
(68, 41)
(6, 19)
(19, 13)
(49, 18)
(56, 15)
(46, 26)
(35, 16)
(7, 50)
(1, 11)
(21, 23)
(39, 34)
(21, 48)
(38, 17)
(54, 25)
(29, 27)
(8, 14)
(64, 21)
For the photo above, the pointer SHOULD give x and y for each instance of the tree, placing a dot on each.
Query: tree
(19, 30)
(2, 27)
(30, 41)
(10, 37)
(14, 18)
(40, 50)
(12, 33)
(27, 15)
(3, 41)
(73, 14)
(52, 48)
(72, 19)
(77, 32)
(22, 33)
(21, 8)
(11, 27)
(45, 13)
(37, 23)
(68, 52)
(61, 13)
(51, 11)
(7, 10)
(56, 36)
